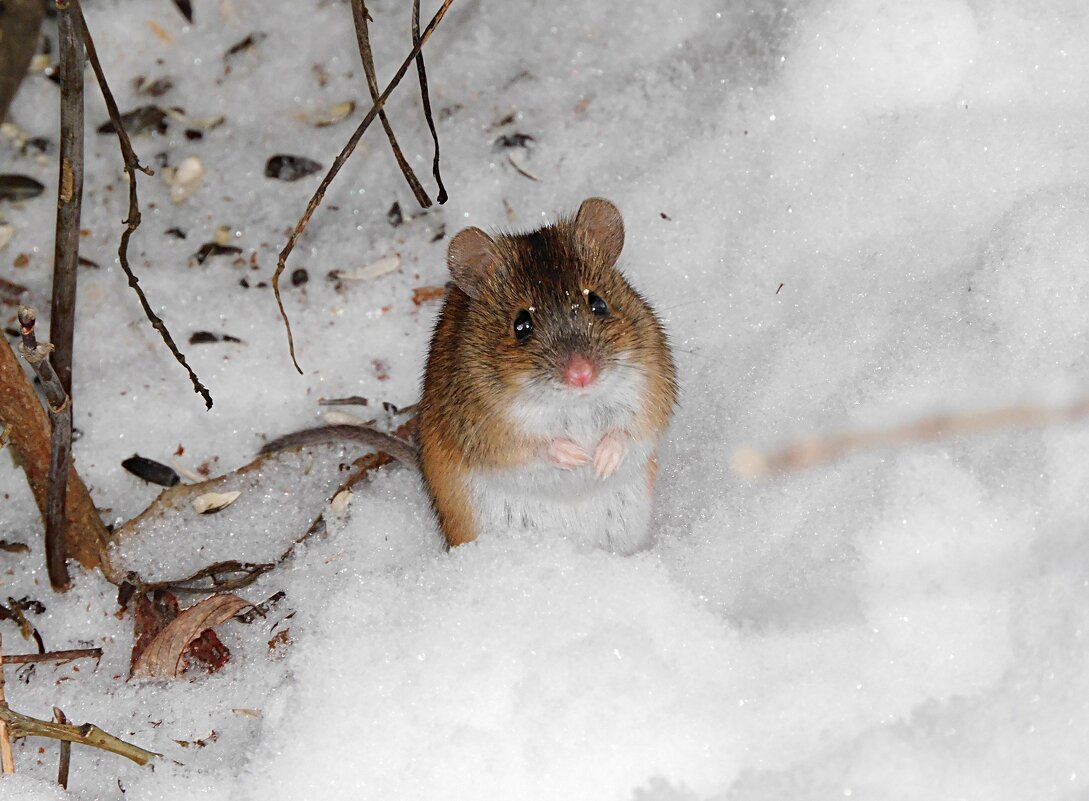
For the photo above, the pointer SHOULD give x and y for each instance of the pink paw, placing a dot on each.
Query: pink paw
(609, 453)
(566, 453)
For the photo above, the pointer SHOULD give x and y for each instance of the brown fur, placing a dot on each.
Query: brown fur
(475, 360)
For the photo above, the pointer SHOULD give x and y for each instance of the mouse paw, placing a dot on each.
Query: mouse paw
(566, 453)
(609, 453)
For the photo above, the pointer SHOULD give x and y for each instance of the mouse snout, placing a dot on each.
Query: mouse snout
(579, 371)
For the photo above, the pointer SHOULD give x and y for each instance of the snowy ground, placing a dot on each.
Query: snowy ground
(850, 214)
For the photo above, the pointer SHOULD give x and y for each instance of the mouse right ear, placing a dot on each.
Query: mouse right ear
(471, 259)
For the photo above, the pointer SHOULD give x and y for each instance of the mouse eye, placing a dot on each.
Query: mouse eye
(597, 305)
(523, 326)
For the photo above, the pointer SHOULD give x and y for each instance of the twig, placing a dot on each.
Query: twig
(15, 724)
(53, 656)
(60, 454)
(65, 751)
(338, 162)
(132, 222)
(62, 315)
(242, 574)
(360, 15)
(816, 451)
(422, 71)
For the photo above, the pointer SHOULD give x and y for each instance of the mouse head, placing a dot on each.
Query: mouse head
(549, 307)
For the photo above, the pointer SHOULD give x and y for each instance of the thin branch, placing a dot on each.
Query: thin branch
(132, 222)
(62, 315)
(422, 71)
(60, 454)
(338, 162)
(15, 724)
(360, 16)
(53, 656)
(65, 751)
(816, 451)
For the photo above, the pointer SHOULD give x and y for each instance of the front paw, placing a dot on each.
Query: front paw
(609, 453)
(566, 453)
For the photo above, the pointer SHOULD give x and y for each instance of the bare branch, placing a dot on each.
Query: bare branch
(132, 222)
(338, 162)
(422, 71)
(60, 453)
(360, 16)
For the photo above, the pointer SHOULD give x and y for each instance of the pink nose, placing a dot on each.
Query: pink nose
(579, 372)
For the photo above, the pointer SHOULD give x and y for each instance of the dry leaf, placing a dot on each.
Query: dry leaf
(337, 418)
(385, 265)
(212, 502)
(163, 656)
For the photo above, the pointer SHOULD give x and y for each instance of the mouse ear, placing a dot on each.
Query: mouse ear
(599, 221)
(471, 259)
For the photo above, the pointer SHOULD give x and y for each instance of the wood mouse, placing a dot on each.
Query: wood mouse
(548, 388)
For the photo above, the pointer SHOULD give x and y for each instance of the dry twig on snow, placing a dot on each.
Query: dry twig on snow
(60, 453)
(338, 162)
(132, 222)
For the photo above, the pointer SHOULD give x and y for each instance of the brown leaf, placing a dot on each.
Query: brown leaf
(209, 650)
(150, 618)
(163, 657)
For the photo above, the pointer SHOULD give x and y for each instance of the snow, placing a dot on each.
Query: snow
(850, 214)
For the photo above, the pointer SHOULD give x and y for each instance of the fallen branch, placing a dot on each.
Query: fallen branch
(65, 751)
(60, 453)
(360, 16)
(132, 221)
(15, 724)
(53, 656)
(807, 453)
(234, 575)
(338, 162)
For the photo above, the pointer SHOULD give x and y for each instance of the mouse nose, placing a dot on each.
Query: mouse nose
(579, 371)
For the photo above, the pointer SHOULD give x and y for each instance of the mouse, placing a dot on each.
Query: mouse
(548, 389)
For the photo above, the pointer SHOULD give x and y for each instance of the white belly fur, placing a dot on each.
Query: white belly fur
(611, 513)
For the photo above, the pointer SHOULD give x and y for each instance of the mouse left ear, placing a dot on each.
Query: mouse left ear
(471, 259)
(599, 221)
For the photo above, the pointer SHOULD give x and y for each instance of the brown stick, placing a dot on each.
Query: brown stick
(60, 453)
(360, 15)
(62, 315)
(26, 422)
(338, 162)
(65, 751)
(15, 724)
(815, 451)
(53, 656)
(426, 98)
(132, 222)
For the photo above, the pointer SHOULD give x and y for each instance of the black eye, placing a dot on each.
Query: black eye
(597, 305)
(523, 325)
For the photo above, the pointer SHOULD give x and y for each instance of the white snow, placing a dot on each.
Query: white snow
(849, 213)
